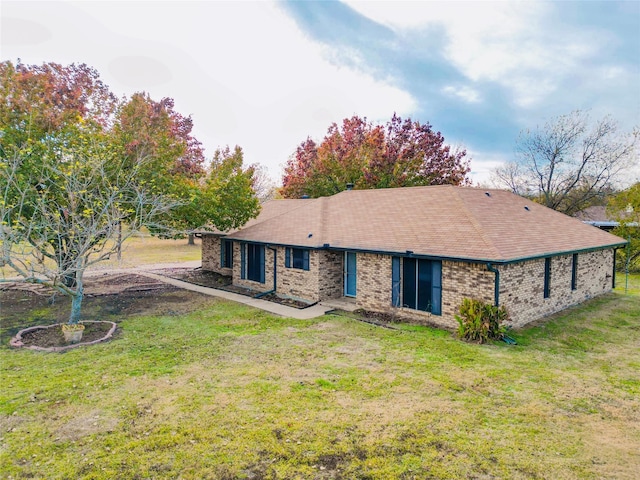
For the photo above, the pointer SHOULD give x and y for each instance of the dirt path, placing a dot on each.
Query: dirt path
(142, 268)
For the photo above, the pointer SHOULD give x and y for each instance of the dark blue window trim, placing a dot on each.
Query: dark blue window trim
(574, 271)
(226, 253)
(296, 258)
(255, 262)
(395, 281)
(547, 277)
(419, 283)
(243, 261)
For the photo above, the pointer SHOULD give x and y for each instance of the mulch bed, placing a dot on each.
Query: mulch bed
(198, 276)
(384, 320)
(53, 337)
(289, 302)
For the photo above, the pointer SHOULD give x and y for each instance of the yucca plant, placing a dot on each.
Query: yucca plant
(479, 321)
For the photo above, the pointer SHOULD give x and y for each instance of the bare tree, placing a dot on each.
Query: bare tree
(59, 215)
(570, 162)
(263, 184)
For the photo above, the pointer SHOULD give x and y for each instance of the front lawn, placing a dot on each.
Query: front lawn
(229, 392)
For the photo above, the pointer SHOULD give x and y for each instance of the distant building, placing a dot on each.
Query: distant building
(598, 217)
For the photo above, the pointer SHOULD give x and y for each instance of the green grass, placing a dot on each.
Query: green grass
(629, 284)
(231, 392)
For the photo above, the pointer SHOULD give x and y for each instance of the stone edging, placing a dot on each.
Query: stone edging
(16, 342)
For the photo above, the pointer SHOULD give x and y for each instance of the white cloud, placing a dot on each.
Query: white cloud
(244, 71)
(482, 170)
(466, 93)
(509, 43)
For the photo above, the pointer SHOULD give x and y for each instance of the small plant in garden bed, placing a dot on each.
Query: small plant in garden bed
(479, 321)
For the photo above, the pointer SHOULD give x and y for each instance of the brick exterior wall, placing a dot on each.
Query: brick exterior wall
(322, 281)
(268, 271)
(297, 283)
(459, 280)
(373, 282)
(522, 285)
(211, 246)
(330, 281)
(464, 280)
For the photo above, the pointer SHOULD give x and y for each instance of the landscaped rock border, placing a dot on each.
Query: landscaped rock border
(16, 341)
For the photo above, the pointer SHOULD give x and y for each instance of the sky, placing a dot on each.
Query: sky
(267, 75)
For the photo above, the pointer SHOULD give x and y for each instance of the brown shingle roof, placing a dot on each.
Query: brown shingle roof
(439, 221)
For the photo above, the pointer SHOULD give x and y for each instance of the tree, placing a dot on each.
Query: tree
(223, 198)
(399, 154)
(38, 100)
(40, 107)
(299, 170)
(569, 163)
(59, 218)
(75, 165)
(220, 196)
(625, 208)
(263, 185)
(153, 130)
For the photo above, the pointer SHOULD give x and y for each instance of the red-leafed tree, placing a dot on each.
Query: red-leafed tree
(147, 128)
(39, 101)
(297, 172)
(154, 130)
(402, 153)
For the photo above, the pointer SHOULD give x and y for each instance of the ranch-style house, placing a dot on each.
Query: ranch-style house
(416, 252)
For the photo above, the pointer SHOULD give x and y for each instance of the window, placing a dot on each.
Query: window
(419, 282)
(547, 277)
(226, 253)
(296, 258)
(252, 262)
(574, 272)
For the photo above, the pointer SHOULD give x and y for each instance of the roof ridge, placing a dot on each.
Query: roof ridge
(476, 225)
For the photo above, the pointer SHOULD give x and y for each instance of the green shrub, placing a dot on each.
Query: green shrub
(479, 321)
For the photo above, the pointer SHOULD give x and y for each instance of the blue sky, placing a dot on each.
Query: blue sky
(267, 75)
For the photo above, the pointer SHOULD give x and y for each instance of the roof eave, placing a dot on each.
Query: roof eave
(409, 253)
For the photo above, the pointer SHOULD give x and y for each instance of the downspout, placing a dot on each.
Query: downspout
(626, 265)
(613, 273)
(275, 274)
(496, 284)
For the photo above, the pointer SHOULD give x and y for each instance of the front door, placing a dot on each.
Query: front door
(349, 274)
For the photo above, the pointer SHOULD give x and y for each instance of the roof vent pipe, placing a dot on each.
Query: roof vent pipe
(487, 194)
(349, 186)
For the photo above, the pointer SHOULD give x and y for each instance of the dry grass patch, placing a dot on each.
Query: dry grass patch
(143, 250)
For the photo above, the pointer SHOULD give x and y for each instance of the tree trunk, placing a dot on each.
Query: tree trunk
(76, 306)
(191, 239)
(119, 241)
